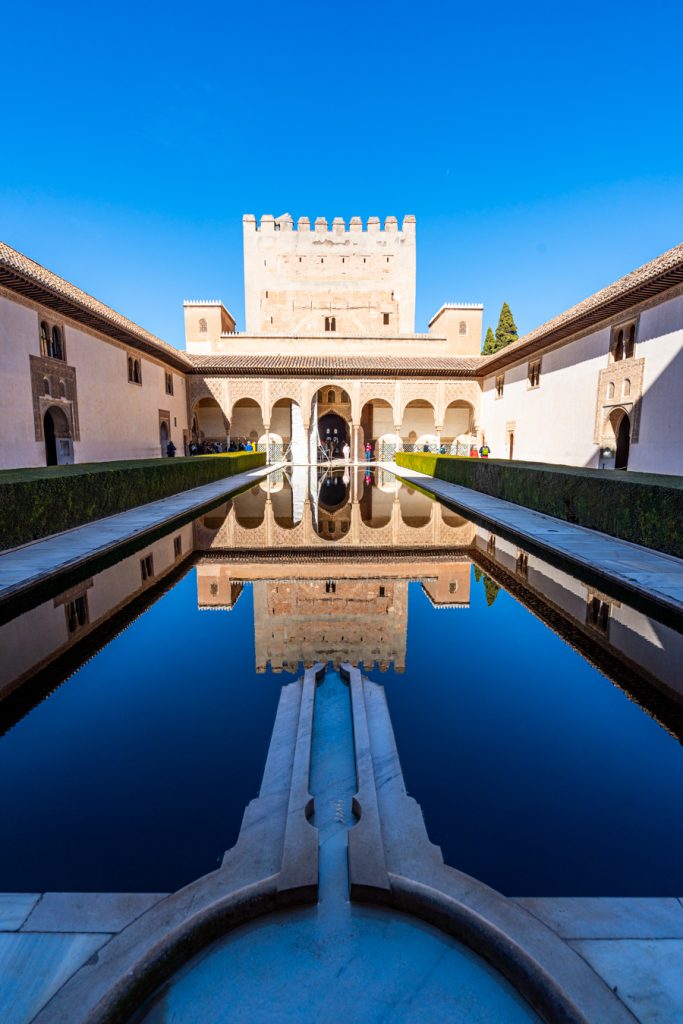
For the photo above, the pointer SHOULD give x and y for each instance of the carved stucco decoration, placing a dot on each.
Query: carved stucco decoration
(618, 374)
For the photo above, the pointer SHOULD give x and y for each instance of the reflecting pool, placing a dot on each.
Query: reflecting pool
(538, 717)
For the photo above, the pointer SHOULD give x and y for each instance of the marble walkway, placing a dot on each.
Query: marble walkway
(642, 571)
(22, 568)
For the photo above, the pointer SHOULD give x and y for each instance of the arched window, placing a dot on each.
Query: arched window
(627, 388)
(630, 342)
(330, 323)
(610, 389)
(44, 339)
(203, 328)
(57, 348)
(330, 397)
(47, 390)
(462, 327)
(62, 389)
(619, 347)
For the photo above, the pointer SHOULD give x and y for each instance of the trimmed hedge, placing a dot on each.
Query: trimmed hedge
(37, 502)
(645, 508)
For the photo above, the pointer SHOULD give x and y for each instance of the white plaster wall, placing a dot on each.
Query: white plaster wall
(19, 338)
(120, 420)
(660, 343)
(555, 422)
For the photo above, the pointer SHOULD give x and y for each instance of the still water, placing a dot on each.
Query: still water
(536, 717)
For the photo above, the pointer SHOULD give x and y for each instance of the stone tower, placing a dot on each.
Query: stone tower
(315, 281)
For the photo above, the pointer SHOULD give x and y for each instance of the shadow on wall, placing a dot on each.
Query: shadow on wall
(657, 416)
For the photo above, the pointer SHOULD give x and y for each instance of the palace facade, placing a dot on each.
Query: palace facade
(330, 355)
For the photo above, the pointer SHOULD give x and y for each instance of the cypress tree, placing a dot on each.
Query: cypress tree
(489, 343)
(491, 589)
(506, 331)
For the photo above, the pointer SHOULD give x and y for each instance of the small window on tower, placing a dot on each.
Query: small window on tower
(203, 326)
(386, 319)
(462, 327)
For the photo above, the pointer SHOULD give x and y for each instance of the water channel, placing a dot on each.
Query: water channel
(537, 717)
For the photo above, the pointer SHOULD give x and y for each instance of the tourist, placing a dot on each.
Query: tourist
(368, 452)
(248, 447)
(484, 451)
(474, 454)
(347, 451)
(170, 449)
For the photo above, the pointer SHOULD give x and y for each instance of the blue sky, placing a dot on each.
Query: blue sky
(539, 146)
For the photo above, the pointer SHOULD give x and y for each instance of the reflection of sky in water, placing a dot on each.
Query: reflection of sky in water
(534, 772)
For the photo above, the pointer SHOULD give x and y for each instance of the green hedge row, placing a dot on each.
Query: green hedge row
(38, 502)
(646, 508)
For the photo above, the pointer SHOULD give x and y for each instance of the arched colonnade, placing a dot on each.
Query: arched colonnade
(308, 419)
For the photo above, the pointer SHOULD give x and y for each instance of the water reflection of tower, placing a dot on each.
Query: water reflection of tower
(355, 615)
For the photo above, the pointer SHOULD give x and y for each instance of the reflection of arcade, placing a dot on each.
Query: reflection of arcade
(341, 507)
(334, 506)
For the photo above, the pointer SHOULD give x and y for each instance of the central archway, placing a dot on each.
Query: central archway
(332, 419)
(333, 431)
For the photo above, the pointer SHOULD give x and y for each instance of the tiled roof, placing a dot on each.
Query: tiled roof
(347, 366)
(647, 281)
(20, 274)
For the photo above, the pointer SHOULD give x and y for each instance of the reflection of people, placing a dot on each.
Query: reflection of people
(347, 451)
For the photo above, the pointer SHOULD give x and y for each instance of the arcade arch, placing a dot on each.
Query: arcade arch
(250, 508)
(413, 511)
(419, 426)
(247, 422)
(377, 428)
(209, 424)
(458, 421)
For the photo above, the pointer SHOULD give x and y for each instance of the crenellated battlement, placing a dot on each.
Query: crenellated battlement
(270, 224)
(339, 276)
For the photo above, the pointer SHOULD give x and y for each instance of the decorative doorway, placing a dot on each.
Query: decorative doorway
(623, 437)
